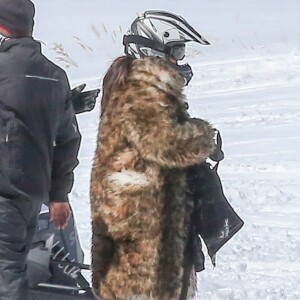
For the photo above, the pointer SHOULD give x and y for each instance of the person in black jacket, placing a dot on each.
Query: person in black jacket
(39, 142)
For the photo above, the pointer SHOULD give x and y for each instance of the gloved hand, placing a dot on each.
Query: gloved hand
(197, 254)
(83, 101)
(218, 154)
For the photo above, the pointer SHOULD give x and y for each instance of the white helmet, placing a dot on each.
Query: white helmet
(163, 34)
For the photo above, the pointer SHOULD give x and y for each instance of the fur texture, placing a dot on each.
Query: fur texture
(138, 185)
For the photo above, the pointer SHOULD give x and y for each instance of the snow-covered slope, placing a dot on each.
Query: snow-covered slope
(247, 83)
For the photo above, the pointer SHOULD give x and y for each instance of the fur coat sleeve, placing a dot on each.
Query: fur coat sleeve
(156, 121)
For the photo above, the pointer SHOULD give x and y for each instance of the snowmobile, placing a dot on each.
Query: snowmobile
(55, 263)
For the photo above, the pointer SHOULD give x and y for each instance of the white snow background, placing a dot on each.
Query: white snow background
(247, 83)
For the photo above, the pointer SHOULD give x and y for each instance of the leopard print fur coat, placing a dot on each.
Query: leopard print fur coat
(138, 190)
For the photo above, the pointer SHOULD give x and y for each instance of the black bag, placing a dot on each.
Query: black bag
(213, 218)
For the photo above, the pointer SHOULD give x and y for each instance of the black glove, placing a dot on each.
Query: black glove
(83, 101)
(218, 154)
(197, 254)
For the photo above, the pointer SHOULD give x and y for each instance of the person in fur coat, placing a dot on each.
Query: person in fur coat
(140, 212)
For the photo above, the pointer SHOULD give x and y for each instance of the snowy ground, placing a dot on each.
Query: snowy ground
(248, 85)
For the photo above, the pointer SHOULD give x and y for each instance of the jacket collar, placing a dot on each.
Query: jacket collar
(157, 72)
(26, 42)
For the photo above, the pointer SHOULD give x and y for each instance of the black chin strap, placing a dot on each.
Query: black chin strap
(185, 71)
(140, 40)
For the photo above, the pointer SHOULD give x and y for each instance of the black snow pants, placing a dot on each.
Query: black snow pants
(18, 219)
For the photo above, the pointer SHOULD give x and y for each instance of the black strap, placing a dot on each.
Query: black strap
(140, 40)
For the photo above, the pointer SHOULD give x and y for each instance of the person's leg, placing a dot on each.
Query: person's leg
(12, 251)
(17, 224)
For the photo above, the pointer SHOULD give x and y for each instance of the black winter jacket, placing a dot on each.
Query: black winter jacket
(39, 137)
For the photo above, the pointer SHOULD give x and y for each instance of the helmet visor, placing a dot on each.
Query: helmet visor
(177, 51)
